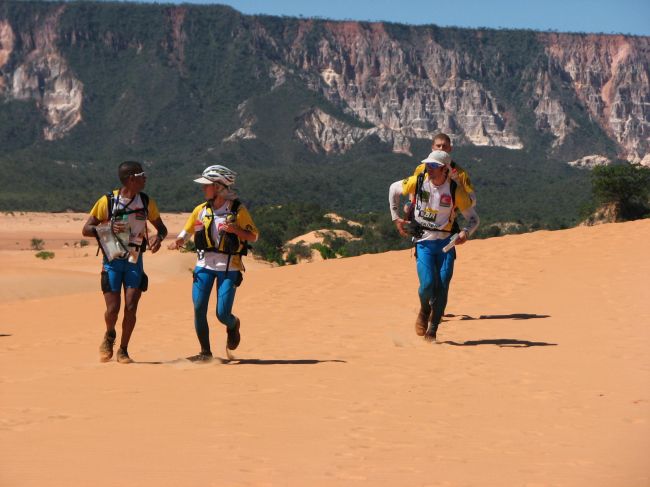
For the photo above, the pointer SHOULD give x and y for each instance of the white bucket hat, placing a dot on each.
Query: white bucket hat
(438, 158)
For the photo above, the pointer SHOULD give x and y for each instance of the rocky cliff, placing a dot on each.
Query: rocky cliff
(400, 83)
(610, 76)
(40, 73)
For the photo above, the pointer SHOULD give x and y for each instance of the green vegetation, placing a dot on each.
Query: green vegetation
(297, 251)
(37, 244)
(627, 186)
(44, 254)
(279, 224)
(188, 247)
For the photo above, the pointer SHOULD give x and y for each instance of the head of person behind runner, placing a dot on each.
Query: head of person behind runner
(436, 164)
(132, 175)
(442, 142)
(217, 181)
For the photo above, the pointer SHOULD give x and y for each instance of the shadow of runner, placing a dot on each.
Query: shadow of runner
(257, 361)
(512, 316)
(501, 342)
(242, 361)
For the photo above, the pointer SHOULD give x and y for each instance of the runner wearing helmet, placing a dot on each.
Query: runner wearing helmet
(222, 228)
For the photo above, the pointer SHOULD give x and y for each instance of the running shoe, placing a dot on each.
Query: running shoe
(123, 356)
(106, 348)
(233, 336)
(430, 335)
(201, 357)
(421, 321)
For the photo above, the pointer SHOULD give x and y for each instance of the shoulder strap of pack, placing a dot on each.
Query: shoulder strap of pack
(235, 205)
(110, 202)
(419, 182)
(452, 189)
(145, 202)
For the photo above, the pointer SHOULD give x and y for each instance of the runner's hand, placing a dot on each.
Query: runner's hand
(119, 225)
(399, 224)
(155, 246)
(231, 228)
(462, 238)
(176, 244)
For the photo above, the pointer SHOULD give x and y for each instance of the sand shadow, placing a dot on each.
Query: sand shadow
(240, 361)
(512, 316)
(4, 335)
(257, 361)
(501, 342)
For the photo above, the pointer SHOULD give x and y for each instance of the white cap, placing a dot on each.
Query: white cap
(438, 158)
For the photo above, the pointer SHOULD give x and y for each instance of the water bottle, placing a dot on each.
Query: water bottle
(125, 233)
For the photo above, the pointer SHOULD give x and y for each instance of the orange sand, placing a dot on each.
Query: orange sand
(542, 377)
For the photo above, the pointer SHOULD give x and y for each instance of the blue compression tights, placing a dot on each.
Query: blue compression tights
(201, 289)
(435, 269)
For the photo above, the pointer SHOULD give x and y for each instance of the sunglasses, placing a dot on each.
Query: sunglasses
(139, 175)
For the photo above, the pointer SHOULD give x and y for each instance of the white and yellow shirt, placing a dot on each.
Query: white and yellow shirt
(137, 217)
(217, 261)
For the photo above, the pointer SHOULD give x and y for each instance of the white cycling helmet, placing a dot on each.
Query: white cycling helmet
(217, 174)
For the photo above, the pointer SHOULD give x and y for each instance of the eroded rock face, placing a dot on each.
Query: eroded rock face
(549, 113)
(590, 162)
(409, 92)
(611, 77)
(418, 91)
(321, 132)
(247, 120)
(42, 75)
(7, 40)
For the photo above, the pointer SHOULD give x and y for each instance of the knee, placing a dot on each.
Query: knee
(200, 306)
(222, 317)
(426, 284)
(112, 310)
(131, 307)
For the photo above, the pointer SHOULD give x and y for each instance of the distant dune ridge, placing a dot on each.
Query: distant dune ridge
(540, 378)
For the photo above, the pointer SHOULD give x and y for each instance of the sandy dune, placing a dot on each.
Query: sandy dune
(541, 378)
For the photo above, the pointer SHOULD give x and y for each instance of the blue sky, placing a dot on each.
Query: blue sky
(618, 16)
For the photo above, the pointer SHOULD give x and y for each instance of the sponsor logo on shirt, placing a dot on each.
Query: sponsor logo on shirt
(429, 214)
(445, 200)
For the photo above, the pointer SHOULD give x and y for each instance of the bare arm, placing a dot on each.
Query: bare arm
(394, 194)
(162, 233)
(88, 229)
(472, 224)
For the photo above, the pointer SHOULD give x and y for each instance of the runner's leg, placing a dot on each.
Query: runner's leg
(426, 276)
(131, 300)
(226, 290)
(444, 270)
(201, 288)
(113, 301)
